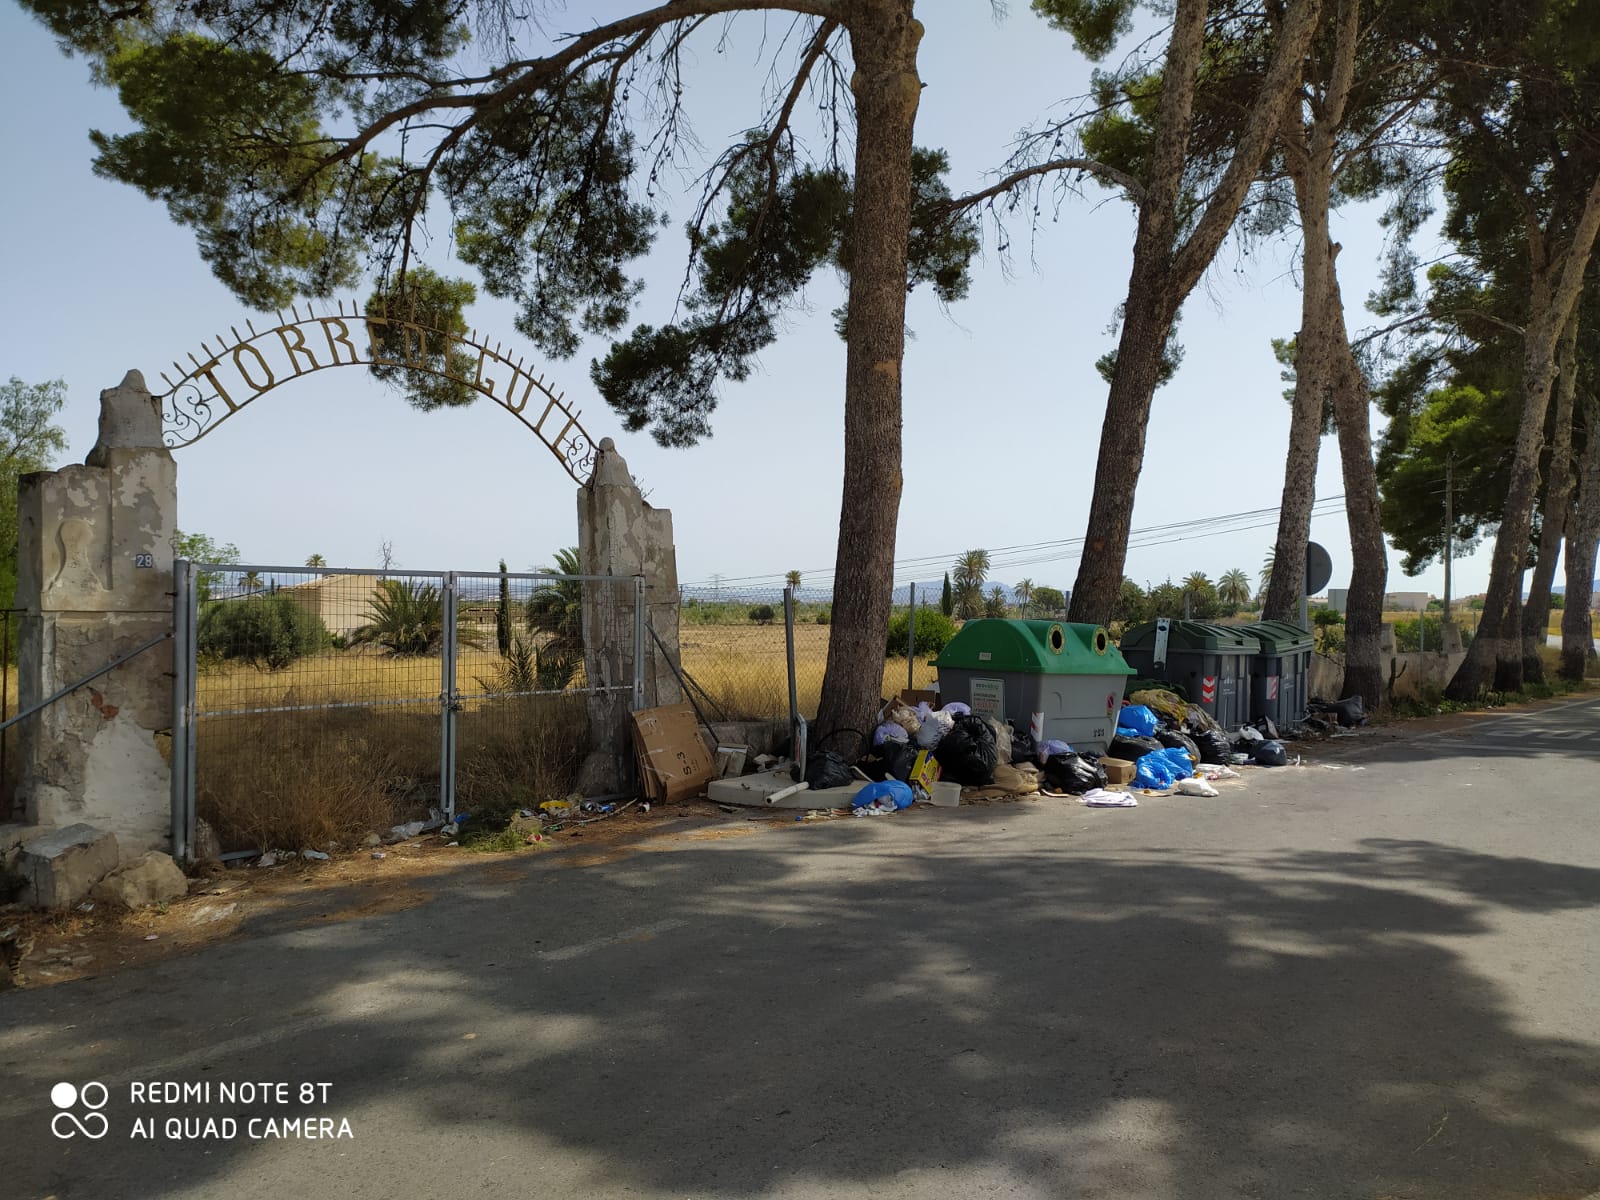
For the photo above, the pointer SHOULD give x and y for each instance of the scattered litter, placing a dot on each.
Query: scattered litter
(645, 807)
(1214, 773)
(269, 859)
(86, 907)
(314, 855)
(379, 854)
(151, 937)
(1196, 787)
(409, 830)
(1330, 766)
(1100, 798)
(449, 844)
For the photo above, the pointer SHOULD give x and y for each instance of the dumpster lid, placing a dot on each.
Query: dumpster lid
(1280, 637)
(1036, 647)
(1194, 635)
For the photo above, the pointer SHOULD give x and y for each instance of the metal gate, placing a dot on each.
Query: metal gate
(340, 696)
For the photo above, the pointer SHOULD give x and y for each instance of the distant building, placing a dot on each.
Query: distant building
(343, 603)
(1406, 601)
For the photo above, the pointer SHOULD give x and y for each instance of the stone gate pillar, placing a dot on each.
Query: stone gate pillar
(619, 534)
(94, 578)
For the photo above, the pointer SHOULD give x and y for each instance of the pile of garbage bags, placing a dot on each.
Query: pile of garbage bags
(975, 751)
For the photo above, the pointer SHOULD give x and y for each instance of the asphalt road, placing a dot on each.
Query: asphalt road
(1374, 976)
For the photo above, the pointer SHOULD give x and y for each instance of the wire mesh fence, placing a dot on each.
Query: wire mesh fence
(326, 703)
(734, 650)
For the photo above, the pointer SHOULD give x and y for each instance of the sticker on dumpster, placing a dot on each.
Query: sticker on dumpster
(1208, 689)
(1111, 703)
(988, 697)
(1272, 687)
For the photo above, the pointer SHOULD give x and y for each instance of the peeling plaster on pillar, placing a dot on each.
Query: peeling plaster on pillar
(96, 755)
(619, 534)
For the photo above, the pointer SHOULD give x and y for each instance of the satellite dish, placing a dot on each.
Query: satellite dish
(1319, 568)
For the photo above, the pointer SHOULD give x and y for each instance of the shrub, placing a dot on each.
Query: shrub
(266, 630)
(762, 614)
(934, 631)
(824, 616)
(1409, 635)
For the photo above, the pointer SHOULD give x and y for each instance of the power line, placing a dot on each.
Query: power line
(1035, 553)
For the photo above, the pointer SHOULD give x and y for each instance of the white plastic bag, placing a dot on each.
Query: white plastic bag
(1196, 787)
(934, 726)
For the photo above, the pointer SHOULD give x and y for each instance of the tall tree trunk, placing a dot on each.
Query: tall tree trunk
(1309, 154)
(1583, 533)
(1496, 651)
(1164, 274)
(1147, 321)
(884, 36)
(1313, 370)
(1369, 558)
(1557, 504)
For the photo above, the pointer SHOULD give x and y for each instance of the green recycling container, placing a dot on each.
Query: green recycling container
(1009, 670)
(1211, 663)
(1280, 673)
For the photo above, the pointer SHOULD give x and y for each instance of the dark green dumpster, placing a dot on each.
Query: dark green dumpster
(1211, 663)
(1280, 673)
(1009, 670)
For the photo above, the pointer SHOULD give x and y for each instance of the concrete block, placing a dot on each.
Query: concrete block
(59, 867)
(148, 879)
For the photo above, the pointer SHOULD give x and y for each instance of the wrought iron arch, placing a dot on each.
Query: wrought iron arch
(221, 381)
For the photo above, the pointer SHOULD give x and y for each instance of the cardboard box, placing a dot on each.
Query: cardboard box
(1118, 770)
(916, 696)
(924, 771)
(674, 762)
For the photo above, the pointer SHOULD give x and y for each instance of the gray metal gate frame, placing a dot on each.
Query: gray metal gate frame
(186, 613)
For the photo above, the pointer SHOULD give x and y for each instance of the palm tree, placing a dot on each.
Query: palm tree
(970, 571)
(995, 605)
(1023, 589)
(407, 618)
(316, 560)
(1233, 589)
(555, 609)
(793, 580)
(1266, 576)
(252, 581)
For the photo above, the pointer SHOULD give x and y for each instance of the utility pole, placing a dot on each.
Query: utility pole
(1449, 528)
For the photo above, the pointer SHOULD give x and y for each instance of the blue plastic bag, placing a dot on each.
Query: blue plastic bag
(890, 789)
(1128, 731)
(1139, 719)
(1052, 746)
(1153, 771)
(1178, 759)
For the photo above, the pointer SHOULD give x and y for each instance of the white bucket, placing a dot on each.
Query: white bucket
(946, 795)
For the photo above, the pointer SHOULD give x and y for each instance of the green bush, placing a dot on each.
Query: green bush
(762, 614)
(824, 616)
(266, 629)
(934, 631)
(1409, 635)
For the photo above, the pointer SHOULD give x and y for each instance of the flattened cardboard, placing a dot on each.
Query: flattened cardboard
(675, 763)
(916, 696)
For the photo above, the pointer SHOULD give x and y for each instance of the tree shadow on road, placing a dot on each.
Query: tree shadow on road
(825, 1009)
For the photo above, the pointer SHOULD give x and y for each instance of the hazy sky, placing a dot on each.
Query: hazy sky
(1002, 402)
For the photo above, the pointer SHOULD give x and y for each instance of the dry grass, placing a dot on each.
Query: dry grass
(300, 780)
(743, 667)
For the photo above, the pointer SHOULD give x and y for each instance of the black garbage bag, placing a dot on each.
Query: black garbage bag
(1023, 747)
(825, 769)
(1073, 774)
(1132, 749)
(1173, 739)
(967, 754)
(1268, 729)
(1213, 746)
(898, 759)
(1270, 754)
(1350, 711)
